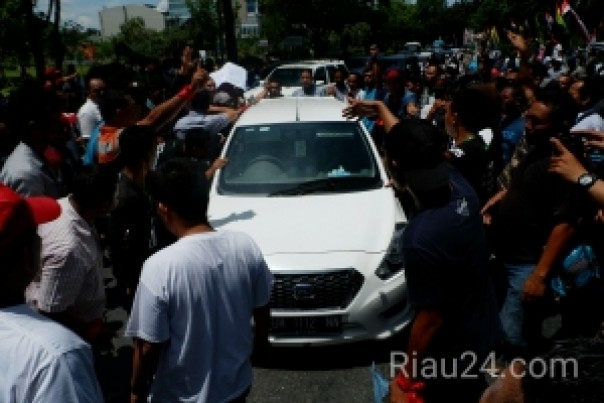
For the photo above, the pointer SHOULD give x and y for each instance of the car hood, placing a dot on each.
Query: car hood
(359, 221)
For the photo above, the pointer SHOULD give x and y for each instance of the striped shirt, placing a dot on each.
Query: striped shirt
(70, 278)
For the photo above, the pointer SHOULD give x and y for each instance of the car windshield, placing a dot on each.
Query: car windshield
(288, 76)
(289, 159)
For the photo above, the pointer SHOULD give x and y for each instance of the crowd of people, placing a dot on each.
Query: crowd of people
(497, 166)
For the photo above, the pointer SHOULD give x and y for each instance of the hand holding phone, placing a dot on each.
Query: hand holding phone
(563, 162)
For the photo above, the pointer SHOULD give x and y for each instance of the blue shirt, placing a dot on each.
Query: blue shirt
(93, 145)
(511, 135)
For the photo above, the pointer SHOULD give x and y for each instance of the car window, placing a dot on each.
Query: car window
(264, 159)
(287, 76)
(331, 71)
(320, 74)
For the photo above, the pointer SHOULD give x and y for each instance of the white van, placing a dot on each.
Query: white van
(310, 188)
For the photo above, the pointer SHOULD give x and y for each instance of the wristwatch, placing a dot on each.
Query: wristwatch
(587, 180)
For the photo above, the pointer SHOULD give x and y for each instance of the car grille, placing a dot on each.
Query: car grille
(324, 290)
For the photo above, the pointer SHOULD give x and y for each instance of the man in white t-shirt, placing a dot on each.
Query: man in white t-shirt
(191, 318)
(40, 360)
(89, 114)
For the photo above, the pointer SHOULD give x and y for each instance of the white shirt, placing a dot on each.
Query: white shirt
(42, 361)
(89, 117)
(71, 275)
(199, 294)
(27, 174)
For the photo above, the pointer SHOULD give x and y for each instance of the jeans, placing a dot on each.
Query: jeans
(512, 313)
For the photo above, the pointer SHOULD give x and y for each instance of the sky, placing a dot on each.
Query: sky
(86, 12)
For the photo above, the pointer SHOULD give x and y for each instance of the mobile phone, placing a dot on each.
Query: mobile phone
(593, 154)
(573, 143)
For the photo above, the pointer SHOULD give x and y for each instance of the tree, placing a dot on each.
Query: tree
(203, 26)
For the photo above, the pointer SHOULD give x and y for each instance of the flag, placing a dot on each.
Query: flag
(495, 36)
(559, 20)
(571, 18)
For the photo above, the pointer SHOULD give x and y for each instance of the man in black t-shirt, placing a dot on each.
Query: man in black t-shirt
(536, 221)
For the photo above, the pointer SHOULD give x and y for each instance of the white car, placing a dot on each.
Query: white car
(309, 187)
(288, 75)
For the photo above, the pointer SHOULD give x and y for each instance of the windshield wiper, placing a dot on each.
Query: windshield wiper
(330, 184)
(319, 185)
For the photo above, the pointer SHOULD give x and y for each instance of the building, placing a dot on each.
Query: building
(112, 18)
(248, 19)
(175, 11)
(246, 12)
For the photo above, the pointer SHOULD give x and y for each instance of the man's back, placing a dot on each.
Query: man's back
(42, 361)
(27, 174)
(446, 268)
(199, 294)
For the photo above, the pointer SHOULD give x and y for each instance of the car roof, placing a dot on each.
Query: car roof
(293, 109)
(311, 63)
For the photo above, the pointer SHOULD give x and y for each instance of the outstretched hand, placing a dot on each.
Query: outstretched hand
(357, 109)
(199, 77)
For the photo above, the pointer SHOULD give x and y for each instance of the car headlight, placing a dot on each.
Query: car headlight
(393, 261)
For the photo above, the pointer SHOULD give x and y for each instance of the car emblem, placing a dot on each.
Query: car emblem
(304, 292)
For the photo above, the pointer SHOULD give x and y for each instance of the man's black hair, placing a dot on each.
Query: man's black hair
(562, 108)
(93, 186)
(475, 110)
(137, 144)
(181, 185)
(110, 103)
(201, 101)
(538, 70)
(31, 103)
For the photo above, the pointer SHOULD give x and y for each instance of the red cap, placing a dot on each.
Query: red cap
(392, 74)
(19, 214)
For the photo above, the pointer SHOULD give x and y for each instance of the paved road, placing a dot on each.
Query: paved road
(324, 374)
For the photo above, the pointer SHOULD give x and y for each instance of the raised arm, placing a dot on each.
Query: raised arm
(167, 111)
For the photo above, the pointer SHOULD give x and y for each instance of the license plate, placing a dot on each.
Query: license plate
(307, 325)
